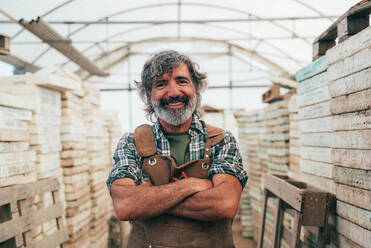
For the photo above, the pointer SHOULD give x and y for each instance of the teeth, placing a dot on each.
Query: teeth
(174, 104)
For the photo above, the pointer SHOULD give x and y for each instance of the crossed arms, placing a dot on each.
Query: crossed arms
(194, 198)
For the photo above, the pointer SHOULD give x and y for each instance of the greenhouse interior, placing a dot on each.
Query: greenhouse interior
(113, 131)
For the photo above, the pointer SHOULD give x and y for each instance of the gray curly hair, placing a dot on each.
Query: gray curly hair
(162, 63)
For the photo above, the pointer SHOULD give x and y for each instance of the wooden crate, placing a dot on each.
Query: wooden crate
(13, 226)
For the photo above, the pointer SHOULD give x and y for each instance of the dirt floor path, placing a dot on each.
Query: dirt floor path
(239, 241)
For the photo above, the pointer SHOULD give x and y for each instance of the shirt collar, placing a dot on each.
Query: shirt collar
(197, 124)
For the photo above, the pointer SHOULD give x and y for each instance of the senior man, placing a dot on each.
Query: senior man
(178, 181)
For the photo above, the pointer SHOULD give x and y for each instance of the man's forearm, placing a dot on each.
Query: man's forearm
(141, 202)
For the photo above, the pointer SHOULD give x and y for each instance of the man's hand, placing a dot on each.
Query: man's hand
(146, 201)
(218, 202)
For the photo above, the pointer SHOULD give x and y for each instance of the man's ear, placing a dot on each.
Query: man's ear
(148, 97)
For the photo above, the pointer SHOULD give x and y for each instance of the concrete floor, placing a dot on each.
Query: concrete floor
(239, 241)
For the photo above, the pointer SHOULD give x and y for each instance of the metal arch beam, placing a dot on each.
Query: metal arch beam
(254, 55)
(313, 9)
(45, 14)
(212, 25)
(169, 4)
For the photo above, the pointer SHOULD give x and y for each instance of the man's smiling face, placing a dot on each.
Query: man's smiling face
(173, 96)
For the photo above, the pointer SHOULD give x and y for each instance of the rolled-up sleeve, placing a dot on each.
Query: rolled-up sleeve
(227, 159)
(127, 162)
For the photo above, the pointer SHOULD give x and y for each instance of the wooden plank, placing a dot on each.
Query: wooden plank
(17, 157)
(40, 129)
(53, 240)
(354, 232)
(359, 139)
(349, 47)
(350, 103)
(315, 96)
(14, 193)
(13, 101)
(323, 124)
(12, 124)
(353, 177)
(321, 183)
(40, 139)
(46, 119)
(8, 170)
(358, 197)
(14, 113)
(13, 135)
(350, 84)
(313, 83)
(352, 121)
(18, 179)
(339, 240)
(316, 168)
(354, 214)
(350, 65)
(278, 218)
(357, 159)
(322, 154)
(311, 70)
(47, 148)
(9, 147)
(315, 111)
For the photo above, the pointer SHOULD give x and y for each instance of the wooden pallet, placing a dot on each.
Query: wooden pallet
(350, 23)
(11, 226)
(307, 207)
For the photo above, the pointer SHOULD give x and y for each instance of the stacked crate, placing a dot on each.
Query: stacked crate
(277, 125)
(294, 134)
(75, 170)
(17, 161)
(315, 125)
(349, 74)
(99, 196)
(248, 143)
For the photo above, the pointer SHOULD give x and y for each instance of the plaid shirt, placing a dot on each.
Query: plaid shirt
(226, 156)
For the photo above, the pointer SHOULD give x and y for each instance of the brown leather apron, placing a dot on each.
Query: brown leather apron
(165, 231)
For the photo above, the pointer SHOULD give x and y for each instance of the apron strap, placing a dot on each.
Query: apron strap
(144, 141)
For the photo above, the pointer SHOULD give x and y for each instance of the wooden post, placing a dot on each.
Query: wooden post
(262, 223)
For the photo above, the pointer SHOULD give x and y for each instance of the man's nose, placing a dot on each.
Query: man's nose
(173, 89)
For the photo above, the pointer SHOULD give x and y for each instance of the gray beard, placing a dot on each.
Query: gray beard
(175, 117)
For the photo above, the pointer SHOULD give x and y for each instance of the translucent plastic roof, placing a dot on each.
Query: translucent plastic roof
(263, 35)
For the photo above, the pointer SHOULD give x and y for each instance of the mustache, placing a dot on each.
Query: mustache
(165, 101)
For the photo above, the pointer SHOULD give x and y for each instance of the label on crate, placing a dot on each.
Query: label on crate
(7, 170)
(17, 157)
(315, 125)
(322, 154)
(350, 84)
(6, 123)
(14, 146)
(13, 135)
(350, 65)
(350, 46)
(354, 102)
(358, 159)
(315, 111)
(13, 113)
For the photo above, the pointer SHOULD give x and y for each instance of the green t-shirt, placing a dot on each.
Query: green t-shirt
(179, 146)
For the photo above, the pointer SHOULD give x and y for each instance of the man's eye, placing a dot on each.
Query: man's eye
(183, 81)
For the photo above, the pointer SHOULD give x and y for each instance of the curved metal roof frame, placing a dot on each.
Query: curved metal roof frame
(254, 55)
(169, 4)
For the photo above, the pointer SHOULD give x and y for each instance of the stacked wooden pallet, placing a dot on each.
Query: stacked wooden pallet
(17, 161)
(248, 143)
(349, 74)
(294, 154)
(99, 195)
(75, 170)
